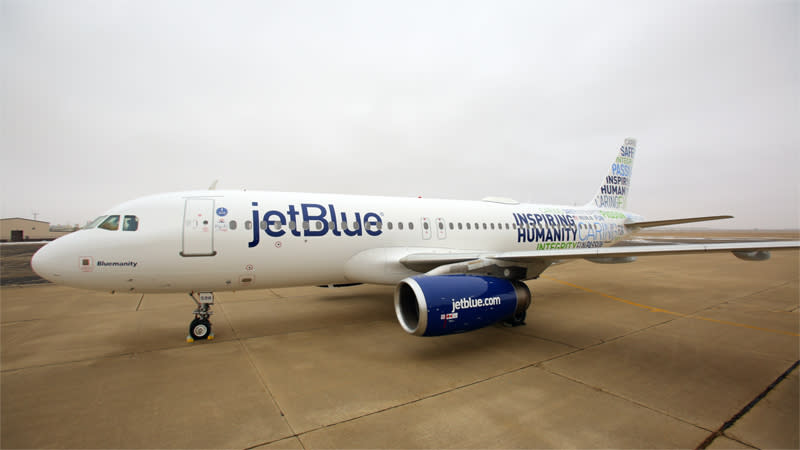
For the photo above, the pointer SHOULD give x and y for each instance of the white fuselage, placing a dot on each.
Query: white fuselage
(215, 240)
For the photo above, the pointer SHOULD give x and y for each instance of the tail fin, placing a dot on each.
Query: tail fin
(614, 191)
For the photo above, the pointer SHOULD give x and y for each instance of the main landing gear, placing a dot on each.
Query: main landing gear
(200, 327)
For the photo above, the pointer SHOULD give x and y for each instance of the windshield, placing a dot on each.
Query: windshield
(94, 223)
(112, 223)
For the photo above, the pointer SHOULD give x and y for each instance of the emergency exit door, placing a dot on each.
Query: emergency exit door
(426, 227)
(198, 227)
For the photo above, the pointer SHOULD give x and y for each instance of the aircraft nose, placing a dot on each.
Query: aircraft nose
(44, 263)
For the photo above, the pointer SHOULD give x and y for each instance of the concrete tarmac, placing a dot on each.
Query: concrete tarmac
(659, 353)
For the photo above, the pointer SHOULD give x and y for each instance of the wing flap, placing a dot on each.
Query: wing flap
(424, 262)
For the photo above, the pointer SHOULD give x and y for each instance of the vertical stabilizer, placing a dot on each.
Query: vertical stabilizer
(615, 188)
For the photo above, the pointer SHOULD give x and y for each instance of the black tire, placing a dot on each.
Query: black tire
(200, 329)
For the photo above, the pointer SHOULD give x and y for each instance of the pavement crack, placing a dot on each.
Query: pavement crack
(615, 395)
(730, 422)
(738, 297)
(534, 365)
(261, 379)
(140, 302)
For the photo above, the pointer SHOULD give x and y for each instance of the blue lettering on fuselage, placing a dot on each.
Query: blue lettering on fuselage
(546, 229)
(313, 220)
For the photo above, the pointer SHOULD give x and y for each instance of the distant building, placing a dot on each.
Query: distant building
(17, 230)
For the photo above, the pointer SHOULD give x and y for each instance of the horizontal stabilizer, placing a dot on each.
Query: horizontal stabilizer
(659, 223)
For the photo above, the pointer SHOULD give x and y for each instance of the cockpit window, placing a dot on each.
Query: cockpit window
(131, 223)
(111, 223)
(95, 222)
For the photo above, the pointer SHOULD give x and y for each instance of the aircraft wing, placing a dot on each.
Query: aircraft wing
(644, 250)
(530, 263)
(660, 223)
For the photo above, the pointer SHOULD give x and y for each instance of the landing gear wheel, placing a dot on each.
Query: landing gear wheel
(517, 319)
(200, 329)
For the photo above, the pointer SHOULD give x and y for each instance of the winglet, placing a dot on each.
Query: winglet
(613, 192)
(213, 186)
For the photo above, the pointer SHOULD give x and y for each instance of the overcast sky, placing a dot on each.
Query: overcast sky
(106, 101)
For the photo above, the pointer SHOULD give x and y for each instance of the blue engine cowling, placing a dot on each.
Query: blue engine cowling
(447, 304)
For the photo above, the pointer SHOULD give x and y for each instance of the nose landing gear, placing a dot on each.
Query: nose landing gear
(200, 327)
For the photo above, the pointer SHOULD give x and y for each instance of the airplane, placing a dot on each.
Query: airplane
(457, 265)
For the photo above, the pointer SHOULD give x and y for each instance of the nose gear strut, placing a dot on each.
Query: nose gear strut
(200, 327)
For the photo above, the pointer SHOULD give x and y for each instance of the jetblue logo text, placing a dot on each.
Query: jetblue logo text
(467, 303)
(314, 220)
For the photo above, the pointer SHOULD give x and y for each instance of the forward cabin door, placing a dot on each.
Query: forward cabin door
(198, 227)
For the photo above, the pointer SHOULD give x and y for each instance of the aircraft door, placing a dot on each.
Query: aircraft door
(198, 227)
(426, 228)
(440, 231)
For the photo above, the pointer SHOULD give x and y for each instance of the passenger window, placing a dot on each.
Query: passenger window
(469, 226)
(112, 223)
(410, 225)
(248, 225)
(459, 226)
(356, 225)
(389, 225)
(484, 225)
(492, 224)
(399, 225)
(319, 226)
(441, 226)
(293, 225)
(477, 227)
(344, 225)
(425, 225)
(232, 225)
(451, 226)
(305, 225)
(130, 223)
(263, 224)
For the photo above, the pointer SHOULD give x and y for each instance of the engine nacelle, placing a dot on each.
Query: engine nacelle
(448, 304)
(758, 255)
(614, 260)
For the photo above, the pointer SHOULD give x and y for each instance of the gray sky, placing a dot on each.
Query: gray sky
(106, 101)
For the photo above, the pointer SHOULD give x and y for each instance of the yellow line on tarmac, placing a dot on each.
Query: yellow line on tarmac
(659, 310)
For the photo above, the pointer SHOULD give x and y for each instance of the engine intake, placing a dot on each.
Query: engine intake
(448, 304)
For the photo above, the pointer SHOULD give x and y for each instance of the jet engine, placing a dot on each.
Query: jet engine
(448, 304)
